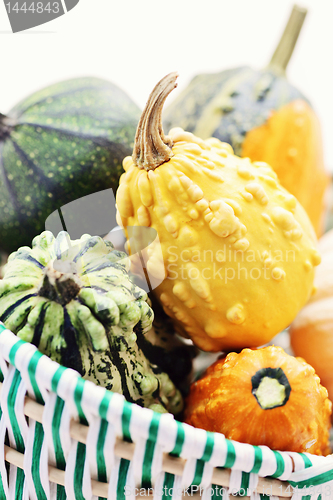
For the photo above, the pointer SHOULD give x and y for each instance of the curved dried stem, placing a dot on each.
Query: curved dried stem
(152, 147)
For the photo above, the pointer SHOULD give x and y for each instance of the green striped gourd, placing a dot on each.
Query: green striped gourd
(61, 143)
(75, 301)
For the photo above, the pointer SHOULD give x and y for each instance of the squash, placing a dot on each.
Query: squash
(61, 143)
(237, 251)
(264, 118)
(168, 351)
(3, 260)
(311, 333)
(263, 397)
(74, 300)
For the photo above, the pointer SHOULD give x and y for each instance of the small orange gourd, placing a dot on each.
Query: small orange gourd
(312, 331)
(236, 252)
(263, 397)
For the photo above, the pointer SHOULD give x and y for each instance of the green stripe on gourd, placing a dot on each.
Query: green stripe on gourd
(63, 142)
(80, 308)
(227, 105)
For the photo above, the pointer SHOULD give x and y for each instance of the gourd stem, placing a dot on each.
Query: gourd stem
(58, 286)
(271, 388)
(285, 48)
(151, 146)
(6, 125)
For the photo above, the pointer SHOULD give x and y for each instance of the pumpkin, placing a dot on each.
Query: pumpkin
(237, 251)
(74, 300)
(311, 333)
(263, 397)
(61, 143)
(264, 118)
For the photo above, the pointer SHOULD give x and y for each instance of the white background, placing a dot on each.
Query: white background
(134, 43)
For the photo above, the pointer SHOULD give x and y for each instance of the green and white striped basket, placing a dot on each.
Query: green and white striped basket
(65, 438)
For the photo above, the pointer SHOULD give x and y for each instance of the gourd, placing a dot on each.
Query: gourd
(263, 397)
(74, 300)
(59, 144)
(168, 351)
(311, 333)
(264, 118)
(3, 260)
(237, 250)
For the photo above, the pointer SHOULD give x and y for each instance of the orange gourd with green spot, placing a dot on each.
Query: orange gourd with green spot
(236, 250)
(263, 397)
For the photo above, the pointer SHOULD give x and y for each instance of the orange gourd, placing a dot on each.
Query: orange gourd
(312, 331)
(290, 141)
(263, 397)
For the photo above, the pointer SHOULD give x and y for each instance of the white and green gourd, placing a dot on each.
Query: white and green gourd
(75, 301)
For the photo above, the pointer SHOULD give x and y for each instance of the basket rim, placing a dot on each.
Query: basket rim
(124, 449)
(10, 343)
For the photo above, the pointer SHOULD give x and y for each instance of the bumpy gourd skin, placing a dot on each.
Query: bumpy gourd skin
(223, 401)
(75, 301)
(238, 250)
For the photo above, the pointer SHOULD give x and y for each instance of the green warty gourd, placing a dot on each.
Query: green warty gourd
(76, 302)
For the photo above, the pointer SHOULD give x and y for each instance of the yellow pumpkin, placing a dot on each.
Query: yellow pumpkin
(237, 250)
(312, 331)
(263, 397)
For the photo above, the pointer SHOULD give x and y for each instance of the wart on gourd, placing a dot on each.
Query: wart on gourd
(199, 196)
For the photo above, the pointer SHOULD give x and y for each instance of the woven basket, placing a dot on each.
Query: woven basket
(65, 438)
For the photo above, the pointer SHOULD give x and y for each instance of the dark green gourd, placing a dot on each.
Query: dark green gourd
(75, 301)
(60, 144)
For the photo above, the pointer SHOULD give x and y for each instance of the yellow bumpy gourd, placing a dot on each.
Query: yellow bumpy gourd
(238, 250)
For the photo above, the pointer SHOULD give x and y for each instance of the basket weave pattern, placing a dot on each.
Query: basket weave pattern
(65, 438)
